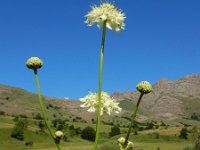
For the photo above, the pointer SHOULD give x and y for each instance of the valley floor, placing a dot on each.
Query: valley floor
(157, 139)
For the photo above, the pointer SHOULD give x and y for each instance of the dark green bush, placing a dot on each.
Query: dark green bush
(2, 113)
(29, 143)
(115, 130)
(71, 127)
(88, 133)
(38, 117)
(18, 133)
(42, 126)
(194, 116)
(183, 133)
(78, 130)
(21, 125)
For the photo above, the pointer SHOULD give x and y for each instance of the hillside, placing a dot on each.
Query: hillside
(170, 100)
(14, 101)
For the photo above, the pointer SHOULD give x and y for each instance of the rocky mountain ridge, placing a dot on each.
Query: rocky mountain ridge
(170, 99)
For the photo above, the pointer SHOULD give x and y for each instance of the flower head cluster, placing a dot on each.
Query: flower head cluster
(34, 63)
(144, 87)
(108, 104)
(108, 13)
(121, 142)
(59, 134)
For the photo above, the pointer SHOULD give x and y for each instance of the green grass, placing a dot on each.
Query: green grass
(41, 142)
(6, 119)
(146, 140)
(112, 145)
(162, 145)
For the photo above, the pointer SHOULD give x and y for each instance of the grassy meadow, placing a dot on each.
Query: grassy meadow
(155, 139)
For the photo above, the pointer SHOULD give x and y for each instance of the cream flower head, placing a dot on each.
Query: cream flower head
(144, 87)
(59, 134)
(34, 63)
(130, 145)
(108, 104)
(108, 13)
(122, 146)
(121, 140)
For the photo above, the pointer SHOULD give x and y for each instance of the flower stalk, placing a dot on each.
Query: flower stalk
(43, 111)
(100, 86)
(143, 87)
(106, 16)
(35, 63)
(133, 119)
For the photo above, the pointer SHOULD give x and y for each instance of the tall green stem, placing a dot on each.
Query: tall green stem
(133, 119)
(100, 86)
(42, 108)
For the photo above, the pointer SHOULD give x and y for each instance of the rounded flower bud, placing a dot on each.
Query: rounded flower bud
(144, 87)
(34, 63)
(121, 140)
(59, 134)
(130, 145)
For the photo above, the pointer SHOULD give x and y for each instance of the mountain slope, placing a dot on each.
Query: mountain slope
(170, 100)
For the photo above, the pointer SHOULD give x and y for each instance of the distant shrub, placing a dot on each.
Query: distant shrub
(60, 127)
(18, 133)
(74, 120)
(21, 122)
(16, 118)
(183, 133)
(135, 132)
(20, 126)
(150, 125)
(38, 116)
(93, 120)
(29, 143)
(71, 127)
(141, 128)
(88, 133)
(55, 123)
(42, 126)
(162, 124)
(78, 130)
(2, 113)
(78, 118)
(194, 116)
(61, 114)
(115, 130)
(50, 105)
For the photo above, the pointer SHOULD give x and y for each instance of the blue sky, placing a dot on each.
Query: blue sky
(161, 40)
